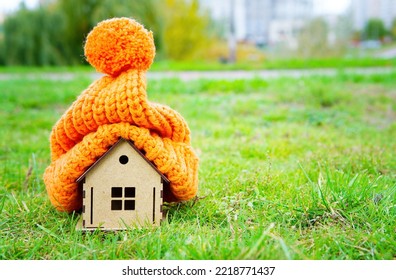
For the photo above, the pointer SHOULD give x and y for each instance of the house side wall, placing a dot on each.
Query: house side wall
(108, 173)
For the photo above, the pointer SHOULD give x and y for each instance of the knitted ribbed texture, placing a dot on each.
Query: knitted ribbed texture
(116, 106)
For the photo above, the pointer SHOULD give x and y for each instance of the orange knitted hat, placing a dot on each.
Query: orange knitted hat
(116, 106)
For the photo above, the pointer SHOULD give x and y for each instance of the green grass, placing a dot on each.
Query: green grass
(272, 64)
(269, 64)
(289, 169)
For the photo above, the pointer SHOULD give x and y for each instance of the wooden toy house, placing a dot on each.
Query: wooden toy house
(121, 189)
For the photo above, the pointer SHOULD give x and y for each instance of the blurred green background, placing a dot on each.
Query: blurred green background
(225, 32)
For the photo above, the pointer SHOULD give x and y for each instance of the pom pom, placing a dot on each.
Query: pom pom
(119, 44)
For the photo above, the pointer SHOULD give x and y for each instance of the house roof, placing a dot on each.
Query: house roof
(79, 179)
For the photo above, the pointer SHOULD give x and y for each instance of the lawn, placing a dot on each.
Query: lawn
(267, 64)
(289, 169)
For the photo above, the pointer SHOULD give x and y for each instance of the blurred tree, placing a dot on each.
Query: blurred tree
(78, 19)
(20, 45)
(55, 32)
(2, 52)
(313, 39)
(374, 30)
(318, 39)
(32, 37)
(393, 29)
(185, 29)
(344, 35)
(2, 46)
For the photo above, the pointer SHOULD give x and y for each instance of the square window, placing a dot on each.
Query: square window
(129, 205)
(116, 205)
(116, 192)
(130, 192)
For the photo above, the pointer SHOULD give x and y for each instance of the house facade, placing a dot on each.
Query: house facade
(121, 189)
